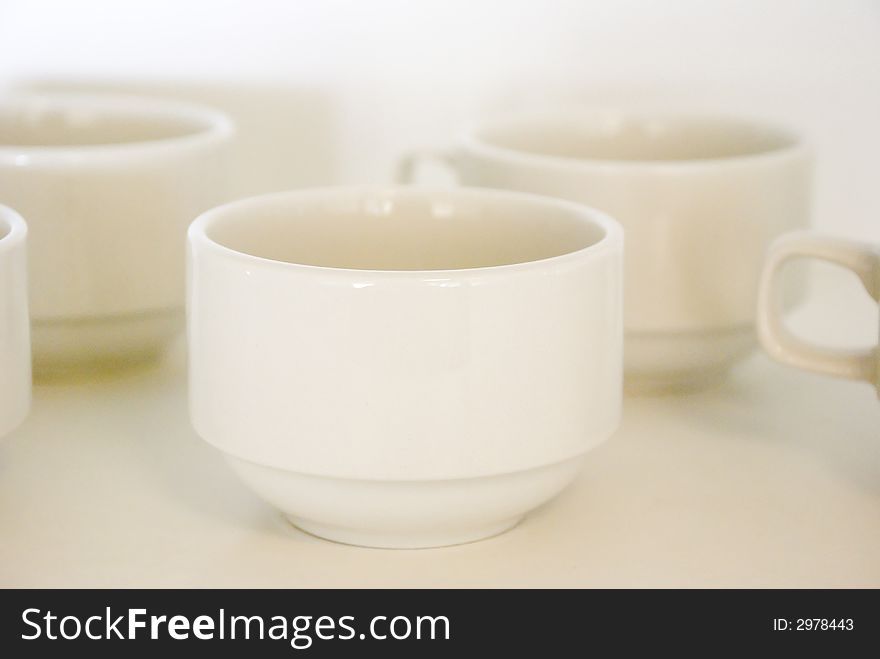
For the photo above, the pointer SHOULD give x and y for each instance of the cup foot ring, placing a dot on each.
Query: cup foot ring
(390, 539)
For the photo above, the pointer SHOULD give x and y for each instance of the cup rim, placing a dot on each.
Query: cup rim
(471, 140)
(611, 240)
(16, 229)
(213, 126)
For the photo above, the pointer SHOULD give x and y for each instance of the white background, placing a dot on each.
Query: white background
(394, 74)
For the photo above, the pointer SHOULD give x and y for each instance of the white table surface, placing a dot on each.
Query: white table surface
(771, 478)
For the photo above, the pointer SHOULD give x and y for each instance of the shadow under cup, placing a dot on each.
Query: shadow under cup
(108, 185)
(405, 367)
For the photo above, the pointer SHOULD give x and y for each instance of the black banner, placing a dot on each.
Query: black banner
(279, 623)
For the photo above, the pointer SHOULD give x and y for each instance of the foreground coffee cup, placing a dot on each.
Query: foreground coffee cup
(15, 351)
(700, 199)
(398, 367)
(785, 347)
(108, 185)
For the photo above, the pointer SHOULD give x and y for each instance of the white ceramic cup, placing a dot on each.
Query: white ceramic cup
(109, 185)
(285, 133)
(400, 367)
(15, 349)
(781, 344)
(699, 198)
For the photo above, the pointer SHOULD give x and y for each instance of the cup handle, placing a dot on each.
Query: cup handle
(408, 166)
(785, 347)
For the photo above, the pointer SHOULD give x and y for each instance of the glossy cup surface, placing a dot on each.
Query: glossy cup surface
(15, 354)
(404, 335)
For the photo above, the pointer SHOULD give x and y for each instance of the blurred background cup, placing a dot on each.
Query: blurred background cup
(285, 133)
(15, 350)
(699, 197)
(402, 367)
(109, 185)
(780, 343)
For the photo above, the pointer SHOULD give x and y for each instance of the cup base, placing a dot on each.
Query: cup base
(397, 514)
(66, 348)
(677, 362)
(413, 540)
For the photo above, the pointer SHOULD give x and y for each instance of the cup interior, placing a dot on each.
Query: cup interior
(399, 229)
(587, 136)
(76, 122)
